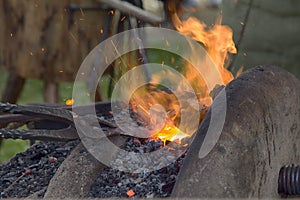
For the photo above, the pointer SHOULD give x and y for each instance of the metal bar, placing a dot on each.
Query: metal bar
(132, 10)
(8, 118)
(43, 112)
(48, 135)
(136, 35)
(75, 7)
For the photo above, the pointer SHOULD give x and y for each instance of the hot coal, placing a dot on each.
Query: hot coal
(31, 171)
(158, 183)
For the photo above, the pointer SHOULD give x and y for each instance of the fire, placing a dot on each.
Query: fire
(170, 133)
(218, 42)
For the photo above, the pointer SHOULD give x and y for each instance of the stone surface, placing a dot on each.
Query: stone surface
(261, 134)
(75, 176)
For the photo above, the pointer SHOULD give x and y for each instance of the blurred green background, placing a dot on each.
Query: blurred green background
(32, 93)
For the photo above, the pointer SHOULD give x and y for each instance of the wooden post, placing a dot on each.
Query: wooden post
(51, 92)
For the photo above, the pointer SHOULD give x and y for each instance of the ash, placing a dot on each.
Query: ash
(148, 184)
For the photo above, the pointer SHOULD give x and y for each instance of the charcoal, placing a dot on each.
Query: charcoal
(154, 184)
(15, 183)
(111, 183)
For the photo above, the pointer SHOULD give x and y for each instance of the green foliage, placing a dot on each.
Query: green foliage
(10, 148)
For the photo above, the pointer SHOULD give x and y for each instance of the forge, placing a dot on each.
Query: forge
(180, 123)
(259, 134)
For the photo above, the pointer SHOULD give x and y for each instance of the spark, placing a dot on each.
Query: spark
(75, 116)
(167, 43)
(74, 38)
(113, 80)
(69, 102)
(144, 109)
(172, 59)
(115, 47)
(123, 18)
(82, 13)
(106, 60)
(141, 60)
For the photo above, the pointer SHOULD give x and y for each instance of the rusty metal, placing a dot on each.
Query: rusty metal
(289, 180)
(48, 122)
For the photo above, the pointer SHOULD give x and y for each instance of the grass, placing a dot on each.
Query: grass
(32, 93)
(10, 148)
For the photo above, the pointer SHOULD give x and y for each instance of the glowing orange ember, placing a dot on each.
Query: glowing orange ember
(170, 133)
(130, 193)
(69, 102)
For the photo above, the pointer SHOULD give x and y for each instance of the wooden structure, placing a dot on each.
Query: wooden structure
(45, 40)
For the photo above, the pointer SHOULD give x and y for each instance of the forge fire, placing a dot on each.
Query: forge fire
(145, 100)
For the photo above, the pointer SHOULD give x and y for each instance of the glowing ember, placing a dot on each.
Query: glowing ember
(170, 133)
(69, 102)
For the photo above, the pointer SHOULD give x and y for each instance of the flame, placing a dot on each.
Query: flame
(218, 42)
(170, 133)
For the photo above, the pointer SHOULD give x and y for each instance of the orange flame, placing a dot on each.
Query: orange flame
(218, 42)
(170, 133)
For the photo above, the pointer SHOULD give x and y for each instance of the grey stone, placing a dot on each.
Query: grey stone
(261, 133)
(77, 173)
